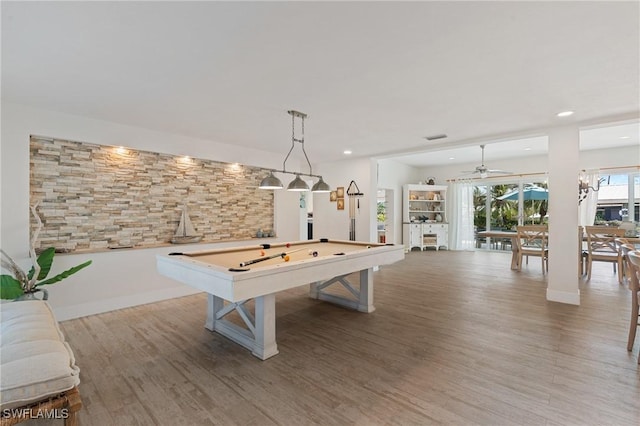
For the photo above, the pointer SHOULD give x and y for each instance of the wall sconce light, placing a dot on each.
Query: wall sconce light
(272, 182)
(584, 187)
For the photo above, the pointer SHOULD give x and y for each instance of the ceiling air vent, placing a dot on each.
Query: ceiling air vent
(434, 137)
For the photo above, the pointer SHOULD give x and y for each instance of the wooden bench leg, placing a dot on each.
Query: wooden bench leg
(74, 405)
(69, 400)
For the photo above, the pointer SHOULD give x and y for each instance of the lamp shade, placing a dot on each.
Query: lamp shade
(321, 186)
(271, 182)
(298, 185)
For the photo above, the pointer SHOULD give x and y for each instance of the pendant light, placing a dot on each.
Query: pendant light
(298, 184)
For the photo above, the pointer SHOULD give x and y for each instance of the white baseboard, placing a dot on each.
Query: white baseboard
(571, 298)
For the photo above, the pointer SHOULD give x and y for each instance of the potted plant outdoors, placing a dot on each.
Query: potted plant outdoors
(23, 285)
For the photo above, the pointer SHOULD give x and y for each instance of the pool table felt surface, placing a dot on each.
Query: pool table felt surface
(232, 258)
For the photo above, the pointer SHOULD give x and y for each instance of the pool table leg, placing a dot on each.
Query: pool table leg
(363, 301)
(259, 336)
(265, 344)
(366, 291)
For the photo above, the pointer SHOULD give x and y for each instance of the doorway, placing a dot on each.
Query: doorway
(385, 215)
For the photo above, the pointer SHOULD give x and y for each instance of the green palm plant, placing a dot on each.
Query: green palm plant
(12, 287)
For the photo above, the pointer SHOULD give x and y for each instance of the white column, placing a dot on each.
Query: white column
(564, 152)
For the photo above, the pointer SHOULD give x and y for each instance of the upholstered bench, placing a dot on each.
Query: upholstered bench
(38, 375)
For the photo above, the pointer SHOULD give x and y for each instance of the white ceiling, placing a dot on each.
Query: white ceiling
(374, 77)
(611, 136)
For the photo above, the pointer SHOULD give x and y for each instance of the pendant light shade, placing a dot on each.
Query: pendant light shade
(298, 185)
(321, 186)
(271, 182)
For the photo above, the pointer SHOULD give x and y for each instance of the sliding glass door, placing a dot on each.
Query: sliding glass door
(503, 206)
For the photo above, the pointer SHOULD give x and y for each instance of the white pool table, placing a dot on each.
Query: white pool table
(225, 275)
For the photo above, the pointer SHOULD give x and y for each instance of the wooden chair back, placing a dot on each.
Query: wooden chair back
(602, 247)
(532, 237)
(634, 265)
(624, 248)
(601, 241)
(634, 284)
(532, 240)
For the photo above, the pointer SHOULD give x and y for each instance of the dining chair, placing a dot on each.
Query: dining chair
(532, 240)
(582, 253)
(634, 286)
(601, 247)
(624, 248)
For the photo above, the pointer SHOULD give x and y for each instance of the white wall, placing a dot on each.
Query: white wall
(328, 222)
(392, 175)
(116, 279)
(612, 157)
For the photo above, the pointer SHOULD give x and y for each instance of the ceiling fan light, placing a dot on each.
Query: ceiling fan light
(271, 182)
(321, 186)
(298, 185)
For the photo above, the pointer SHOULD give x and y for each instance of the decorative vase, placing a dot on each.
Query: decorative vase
(31, 295)
(438, 218)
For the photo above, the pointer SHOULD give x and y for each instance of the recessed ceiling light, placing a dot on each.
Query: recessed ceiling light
(625, 137)
(347, 152)
(565, 113)
(435, 137)
(527, 149)
(452, 158)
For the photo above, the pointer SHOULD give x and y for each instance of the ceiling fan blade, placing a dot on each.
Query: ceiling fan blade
(482, 170)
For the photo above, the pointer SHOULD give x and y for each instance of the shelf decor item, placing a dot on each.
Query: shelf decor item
(185, 233)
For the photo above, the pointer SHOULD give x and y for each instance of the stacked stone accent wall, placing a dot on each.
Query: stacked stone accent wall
(96, 197)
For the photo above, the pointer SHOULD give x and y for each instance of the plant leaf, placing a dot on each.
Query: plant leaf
(10, 288)
(45, 260)
(64, 274)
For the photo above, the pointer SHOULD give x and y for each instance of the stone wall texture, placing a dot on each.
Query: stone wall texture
(96, 197)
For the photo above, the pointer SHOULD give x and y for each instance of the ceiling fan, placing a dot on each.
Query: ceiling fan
(483, 171)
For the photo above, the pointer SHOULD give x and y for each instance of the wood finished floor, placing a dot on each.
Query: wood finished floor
(480, 346)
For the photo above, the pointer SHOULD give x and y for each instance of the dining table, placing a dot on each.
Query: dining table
(514, 245)
(502, 235)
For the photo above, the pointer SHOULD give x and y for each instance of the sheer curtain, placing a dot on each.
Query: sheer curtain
(461, 229)
(587, 208)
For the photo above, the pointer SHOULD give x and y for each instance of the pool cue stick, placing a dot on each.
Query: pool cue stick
(273, 256)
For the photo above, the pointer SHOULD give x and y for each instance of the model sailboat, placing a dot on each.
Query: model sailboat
(185, 233)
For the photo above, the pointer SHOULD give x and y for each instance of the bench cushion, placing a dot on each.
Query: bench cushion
(36, 362)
